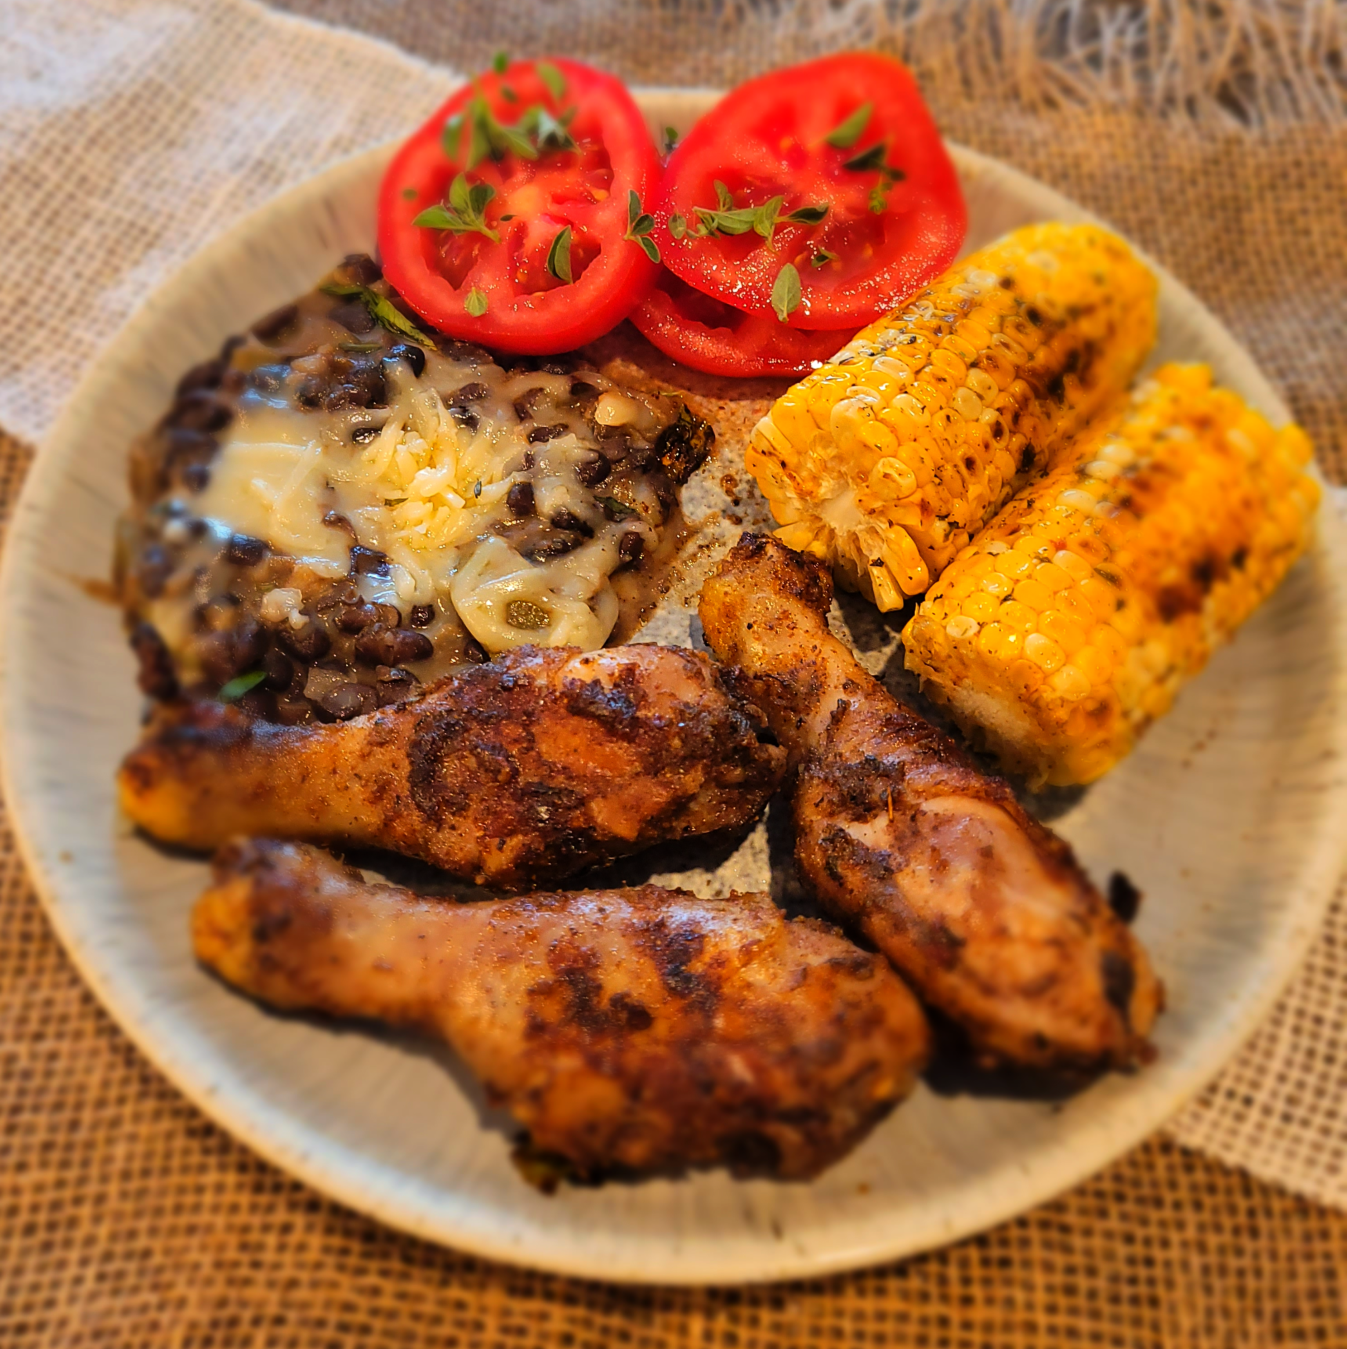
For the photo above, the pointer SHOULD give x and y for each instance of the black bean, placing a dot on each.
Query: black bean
(421, 616)
(347, 700)
(357, 617)
(362, 435)
(269, 378)
(592, 471)
(194, 477)
(475, 652)
(413, 355)
(245, 551)
(230, 345)
(336, 520)
(520, 498)
(206, 375)
(581, 388)
(215, 651)
(199, 410)
(279, 670)
(572, 523)
(538, 434)
(630, 547)
(368, 561)
(393, 684)
(307, 643)
(684, 446)
(155, 676)
(272, 325)
(361, 268)
(470, 393)
(292, 709)
(250, 644)
(154, 570)
(557, 546)
(352, 316)
(310, 392)
(464, 416)
(381, 645)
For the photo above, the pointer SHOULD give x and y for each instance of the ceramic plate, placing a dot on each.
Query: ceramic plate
(1229, 818)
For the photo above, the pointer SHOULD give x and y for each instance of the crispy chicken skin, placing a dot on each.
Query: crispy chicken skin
(646, 1029)
(527, 769)
(983, 909)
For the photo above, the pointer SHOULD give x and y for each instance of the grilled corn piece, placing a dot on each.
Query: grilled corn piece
(1072, 620)
(886, 460)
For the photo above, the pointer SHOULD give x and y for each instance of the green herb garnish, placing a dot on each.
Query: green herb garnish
(381, 309)
(822, 257)
(872, 161)
(549, 132)
(232, 691)
(487, 136)
(551, 77)
(500, 63)
(730, 219)
(559, 256)
(639, 225)
(466, 212)
(786, 292)
(678, 227)
(847, 133)
(409, 194)
(616, 510)
(475, 303)
(670, 139)
(360, 346)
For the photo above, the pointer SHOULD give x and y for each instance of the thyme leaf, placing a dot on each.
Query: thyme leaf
(786, 292)
(846, 133)
(475, 303)
(868, 160)
(822, 257)
(500, 62)
(639, 225)
(551, 77)
(235, 688)
(466, 212)
(670, 139)
(559, 255)
(615, 509)
(382, 310)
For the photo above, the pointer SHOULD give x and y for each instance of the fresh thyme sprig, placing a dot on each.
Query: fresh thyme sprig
(466, 212)
(639, 225)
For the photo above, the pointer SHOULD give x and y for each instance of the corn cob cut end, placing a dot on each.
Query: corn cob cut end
(1076, 616)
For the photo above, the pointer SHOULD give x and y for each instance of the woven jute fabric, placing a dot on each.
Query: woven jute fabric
(1214, 134)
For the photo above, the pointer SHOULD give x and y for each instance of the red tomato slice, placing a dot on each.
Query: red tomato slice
(445, 274)
(708, 335)
(895, 217)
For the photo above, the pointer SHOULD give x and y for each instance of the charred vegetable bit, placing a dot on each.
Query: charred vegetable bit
(684, 446)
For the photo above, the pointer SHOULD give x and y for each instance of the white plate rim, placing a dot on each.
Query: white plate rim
(1146, 1110)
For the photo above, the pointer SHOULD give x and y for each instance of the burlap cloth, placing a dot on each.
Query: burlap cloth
(1216, 135)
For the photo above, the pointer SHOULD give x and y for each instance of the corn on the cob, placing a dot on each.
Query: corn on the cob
(884, 462)
(1072, 620)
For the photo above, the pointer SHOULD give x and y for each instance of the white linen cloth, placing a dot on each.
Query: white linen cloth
(132, 131)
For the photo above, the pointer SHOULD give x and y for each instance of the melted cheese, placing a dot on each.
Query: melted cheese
(429, 490)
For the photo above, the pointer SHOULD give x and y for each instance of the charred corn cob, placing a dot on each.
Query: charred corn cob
(885, 461)
(1072, 620)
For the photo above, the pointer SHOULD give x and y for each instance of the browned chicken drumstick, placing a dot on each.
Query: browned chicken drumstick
(523, 770)
(647, 1030)
(983, 909)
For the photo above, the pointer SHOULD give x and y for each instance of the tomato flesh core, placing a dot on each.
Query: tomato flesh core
(709, 335)
(443, 273)
(769, 138)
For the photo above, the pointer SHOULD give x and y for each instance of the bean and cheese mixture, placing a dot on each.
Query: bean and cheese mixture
(341, 506)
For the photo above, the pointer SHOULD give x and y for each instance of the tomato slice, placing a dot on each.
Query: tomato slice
(710, 335)
(491, 271)
(848, 132)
